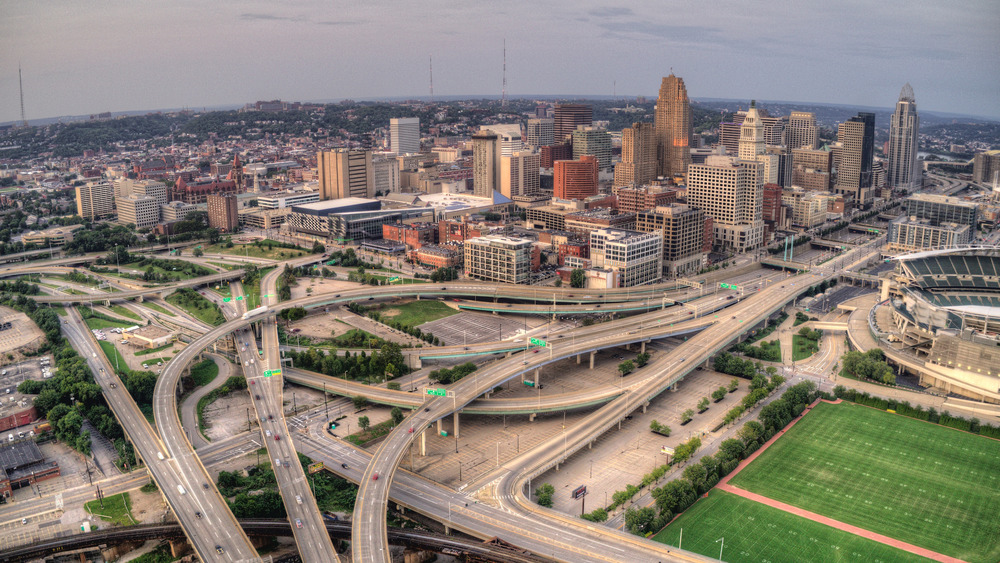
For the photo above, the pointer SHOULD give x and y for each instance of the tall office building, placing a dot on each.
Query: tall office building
(485, 163)
(636, 257)
(152, 188)
(404, 135)
(223, 212)
(510, 137)
(753, 148)
(673, 128)
(729, 191)
(903, 130)
(594, 141)
(385, 173)
(986, 167)
(812, 169)
(519, 174)
(575, 179)
(940, 209)
(683, 230)
(802, 132)
(139, 210)
(498, 259)
(345, 173)
(95, 200)
(541, 132)
(638, 163)
(854, 168)
(567, 117)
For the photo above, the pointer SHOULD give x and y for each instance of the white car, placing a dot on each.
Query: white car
(267, 433)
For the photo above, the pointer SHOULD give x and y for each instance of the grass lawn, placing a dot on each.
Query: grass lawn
(204, 372)
(400, 281)
(802, 347)
(112, 353)
(61, 311)
(153, 350)
(757, 532)
(418, 312)
(122, 311)
(224, 265)
(157, 308)
(921, 483)
(773, 347)
(254, 251)
(201, 308)
(96, 323)
(117, 509)
(159, 555)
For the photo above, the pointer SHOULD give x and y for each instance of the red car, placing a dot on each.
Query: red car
(277, 438)
(375, 477)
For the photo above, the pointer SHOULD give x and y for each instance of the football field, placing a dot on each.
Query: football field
(924, 484)
(755, 532)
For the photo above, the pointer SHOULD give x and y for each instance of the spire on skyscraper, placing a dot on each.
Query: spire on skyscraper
(906, 94)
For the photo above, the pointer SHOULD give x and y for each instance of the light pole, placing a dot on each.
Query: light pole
(723, 540)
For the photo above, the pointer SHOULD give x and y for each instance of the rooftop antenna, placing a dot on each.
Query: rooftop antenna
(503, 94)
(20, 85)
(614, 90)
(431, 65)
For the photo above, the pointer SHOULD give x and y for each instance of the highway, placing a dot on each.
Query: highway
(182, 479)
(369, 513)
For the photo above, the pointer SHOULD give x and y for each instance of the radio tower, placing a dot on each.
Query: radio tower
(503, 93)
(430, 60)
(20, 85)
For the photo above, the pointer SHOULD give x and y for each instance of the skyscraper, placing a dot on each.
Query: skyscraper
(485, 163)
(731, 193)
(593, 141)
(903, 129)
(540, 132)
(567, 117)
(345, 173)
(575, 179)
(803, 133)
(519, 174)
(638, 164)
(95, 200)
(673, 127)
(753, 148)
(854, 169)
(509, 134)
(223, 212)
(404, 135)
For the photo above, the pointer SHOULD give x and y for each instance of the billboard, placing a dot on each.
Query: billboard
(315, 467)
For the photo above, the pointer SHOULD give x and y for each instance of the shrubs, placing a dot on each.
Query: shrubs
(734, 384)
(661, 429)
(686, 416)
(703, 405)
(445, 376)
(868, 365)
(626, 367)
(544, 494)
(904, 408)
(720, 393)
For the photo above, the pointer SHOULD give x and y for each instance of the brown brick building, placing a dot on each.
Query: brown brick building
(575, 179)
(223, 212)
(413, 236)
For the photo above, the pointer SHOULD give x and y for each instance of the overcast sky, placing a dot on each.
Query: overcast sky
(81, 57)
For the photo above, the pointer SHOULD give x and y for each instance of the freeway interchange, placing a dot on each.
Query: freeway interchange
(570, 539)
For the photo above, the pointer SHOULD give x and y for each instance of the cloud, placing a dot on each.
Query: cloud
(267, 17)
(681, 33)
(342, 23)
(610, 12)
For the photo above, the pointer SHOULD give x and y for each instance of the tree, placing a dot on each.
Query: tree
(392, 385)
(364, 423)
(360, 402)
(544, 494)
(397, 415)
(642, 359)
(663, 429)
(626, 367)
(577, 278)
(639, 520)
(687, 415)
(198, 252)
(318, 248)
(703, 404)
(734, 384)
(719, 393)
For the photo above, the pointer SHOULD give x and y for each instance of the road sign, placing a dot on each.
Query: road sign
(529, 383)
(315, 467)
(538, 342)
(394, 278)
(269, 295)
(227, 299)
(239, 298)
(270, 372)
(437, 392)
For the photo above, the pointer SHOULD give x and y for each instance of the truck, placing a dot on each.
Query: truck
(254, 312)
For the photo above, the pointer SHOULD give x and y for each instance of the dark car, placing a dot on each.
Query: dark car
(270, 417)
(344, 465)
(256, 397)
(371, 298)
(205, 485)
(197, 514)
(218, 549)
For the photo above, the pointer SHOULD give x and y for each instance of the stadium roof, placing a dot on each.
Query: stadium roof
(945, 251)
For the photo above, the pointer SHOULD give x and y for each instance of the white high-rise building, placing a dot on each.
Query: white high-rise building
(519, 174)
(386, 173)
(510, 137)
(753, 148)
(903, 130)
(404, 135)
(540, 132)
(730, 191)
(802, 133)
(139, 210)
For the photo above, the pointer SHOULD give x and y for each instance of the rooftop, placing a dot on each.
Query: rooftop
(19, 454)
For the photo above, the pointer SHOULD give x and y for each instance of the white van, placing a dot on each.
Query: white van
(159, 455)
(10, 437)
(181, 490)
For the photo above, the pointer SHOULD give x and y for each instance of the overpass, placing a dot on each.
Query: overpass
(160, 292)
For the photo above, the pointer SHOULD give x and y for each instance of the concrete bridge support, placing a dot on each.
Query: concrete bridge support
(578, 359)
(536, 377)
(178, 548)
(642, 347)
(592, 354)
(423, 442)
(455, 424)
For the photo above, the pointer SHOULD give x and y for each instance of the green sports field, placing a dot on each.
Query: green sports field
(924, 484)
(755, 532)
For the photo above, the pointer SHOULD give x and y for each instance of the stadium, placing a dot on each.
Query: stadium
(945, 311)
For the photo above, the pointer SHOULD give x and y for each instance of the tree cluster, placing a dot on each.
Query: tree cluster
(362, 367)
(868, 365)
(444, 275)
(445, 376)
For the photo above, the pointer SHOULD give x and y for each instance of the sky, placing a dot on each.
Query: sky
(89, 56)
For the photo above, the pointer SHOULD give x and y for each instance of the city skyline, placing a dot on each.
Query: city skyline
(136, 57)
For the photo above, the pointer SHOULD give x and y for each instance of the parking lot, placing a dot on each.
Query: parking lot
(13, 374)
(470, 327)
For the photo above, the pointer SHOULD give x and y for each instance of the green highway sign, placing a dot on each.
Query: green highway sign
(538, 342)
(270, 372)
(728, 286)
(227, 299)
(437, 392)
(269, 295)
(394, 278)
(239, 298)
(529, 383)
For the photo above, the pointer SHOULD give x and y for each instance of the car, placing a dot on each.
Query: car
(287, 464)
(734, 316)
(428, 409)
(145, 366)
(410, 430)
(256, 397)
(270, 417)
(536, 350)
(466, 347)
(782, 287)
(524, 363)
(344, 465)
(24, 520)
(337, 295)
(252, 382)
(114, 385)
(267, 433)
(371, 298)
(729, 297)
(204, 486)
(197, 514)
(218, 549)
(375, 476)
(298, 499)
(263, 420)
(298, 523)
(277, 437)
